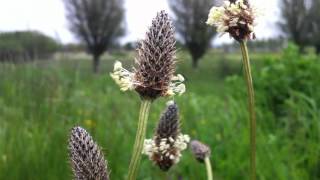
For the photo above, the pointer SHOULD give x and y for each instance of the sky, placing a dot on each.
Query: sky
(48, 16)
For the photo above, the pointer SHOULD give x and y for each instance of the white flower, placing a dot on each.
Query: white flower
(178, 77)
(176, 86)
(171, 139)
(233, 15)
(181, 142)
(165, 147)
(125, 79)
(215, 15)
(122, 77)
(172, 157)
(226, 3)
(186, 138)
(117, 66)
(148, 147)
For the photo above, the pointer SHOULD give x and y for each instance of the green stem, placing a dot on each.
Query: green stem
(209, 168)
(248, 77)
(140, 136)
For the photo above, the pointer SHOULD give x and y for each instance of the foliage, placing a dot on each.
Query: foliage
(26, 45)
(282, 75)
(98, 23)
(287, 74)
(38, 106)
(288, 92)
(190, 18)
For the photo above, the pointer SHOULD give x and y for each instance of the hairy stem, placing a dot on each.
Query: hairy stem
(209, 168)
(248, 78)
(140, 136)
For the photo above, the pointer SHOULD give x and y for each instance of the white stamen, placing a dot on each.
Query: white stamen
(165, 148)
(176, 86)
(228, 15)
(122, 77)
(168, 104)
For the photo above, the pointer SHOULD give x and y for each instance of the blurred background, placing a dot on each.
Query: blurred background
(55, 59)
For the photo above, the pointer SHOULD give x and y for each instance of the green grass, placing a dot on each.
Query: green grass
(40, 102)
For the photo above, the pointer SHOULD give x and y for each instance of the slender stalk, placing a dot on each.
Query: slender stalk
(248, 78)
(208, 167)
(140, 136)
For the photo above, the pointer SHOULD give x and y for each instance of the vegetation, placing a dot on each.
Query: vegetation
(41, 101)
(288, 92)
(26, 46)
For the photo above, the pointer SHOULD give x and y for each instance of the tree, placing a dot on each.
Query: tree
(98, 23)
(190, 21)
(294, 22)
(300, 22)
(313, 17)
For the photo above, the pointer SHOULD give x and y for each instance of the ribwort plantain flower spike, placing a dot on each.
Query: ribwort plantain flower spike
(202, 153)
(166, 146)
(153, 75)
(86, 157)
(237, 18)
(200, 150)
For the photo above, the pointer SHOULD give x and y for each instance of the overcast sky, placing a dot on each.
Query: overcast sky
(48, 16)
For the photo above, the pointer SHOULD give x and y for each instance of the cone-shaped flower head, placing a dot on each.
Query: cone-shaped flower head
(166, 146)
(200, 150)
(153, 75)
(235, 17)
(86, 157)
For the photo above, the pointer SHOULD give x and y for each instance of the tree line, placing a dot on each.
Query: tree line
(100, 23)
(26, 46)
(301, 22)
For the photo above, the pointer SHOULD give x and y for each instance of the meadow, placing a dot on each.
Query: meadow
(41, 101)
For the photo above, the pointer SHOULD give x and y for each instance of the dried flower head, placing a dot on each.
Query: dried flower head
(235, 17)
(86, 157)
(200, 150)
(166, 146)
(154, 73)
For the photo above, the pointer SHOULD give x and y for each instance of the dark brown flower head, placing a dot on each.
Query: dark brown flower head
(235, 17)
(156, 58)
(155, 64)
(86, 157)
(200, 150)
(169, 125)
(243, 29)
(166, 146)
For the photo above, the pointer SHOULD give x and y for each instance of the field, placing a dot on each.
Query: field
(41, 101)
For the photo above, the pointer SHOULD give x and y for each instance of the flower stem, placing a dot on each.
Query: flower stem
(209, 168)
(248, 78)
(140, 136)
